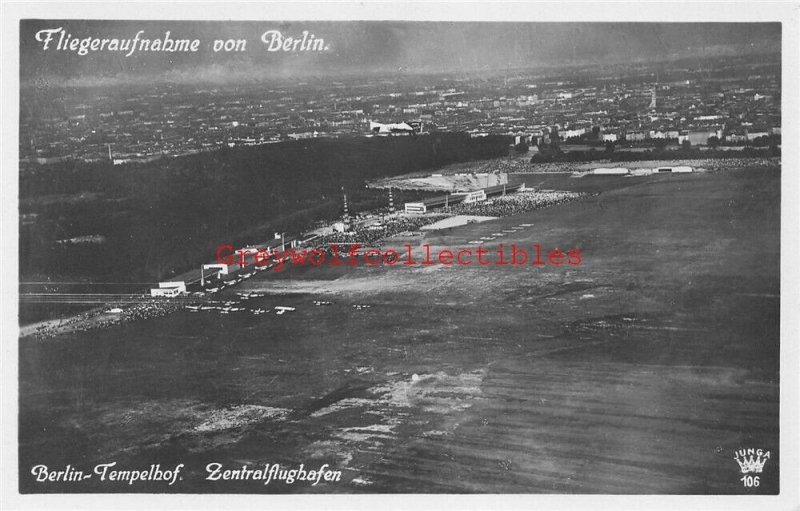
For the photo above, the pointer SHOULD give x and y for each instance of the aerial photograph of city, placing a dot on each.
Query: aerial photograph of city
(399, 257)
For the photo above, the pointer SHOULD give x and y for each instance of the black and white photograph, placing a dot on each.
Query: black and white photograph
(298, 252)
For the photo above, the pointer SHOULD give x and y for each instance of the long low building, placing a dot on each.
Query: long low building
(677, 170)
(434, 202)
(503, 189)
(451, 199)
(616, 171)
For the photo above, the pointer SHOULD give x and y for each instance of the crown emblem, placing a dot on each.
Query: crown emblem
(751, 460)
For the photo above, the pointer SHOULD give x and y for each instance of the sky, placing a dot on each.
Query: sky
(360, 48)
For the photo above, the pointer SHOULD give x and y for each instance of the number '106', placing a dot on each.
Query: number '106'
(750, 481)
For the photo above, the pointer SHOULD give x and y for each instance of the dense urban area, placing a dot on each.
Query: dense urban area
(728, 102)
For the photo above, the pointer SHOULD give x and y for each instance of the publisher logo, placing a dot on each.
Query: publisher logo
(751, 461)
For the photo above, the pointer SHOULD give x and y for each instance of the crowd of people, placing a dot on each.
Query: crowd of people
(735, 163)
(98, 318)
(513, 203)
(150, 309)
(369, 235)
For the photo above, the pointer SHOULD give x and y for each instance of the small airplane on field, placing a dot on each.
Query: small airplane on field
(281, 309)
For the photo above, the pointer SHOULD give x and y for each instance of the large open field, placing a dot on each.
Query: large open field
(640, 371)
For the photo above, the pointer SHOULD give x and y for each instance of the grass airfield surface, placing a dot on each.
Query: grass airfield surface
(640, 371)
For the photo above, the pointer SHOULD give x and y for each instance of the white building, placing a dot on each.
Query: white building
(752, 136)
(674, 170)
(617, 171)
(388, 129)
(567, 134)
(168, 289)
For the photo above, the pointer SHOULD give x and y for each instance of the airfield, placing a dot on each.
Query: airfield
(640, 371)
